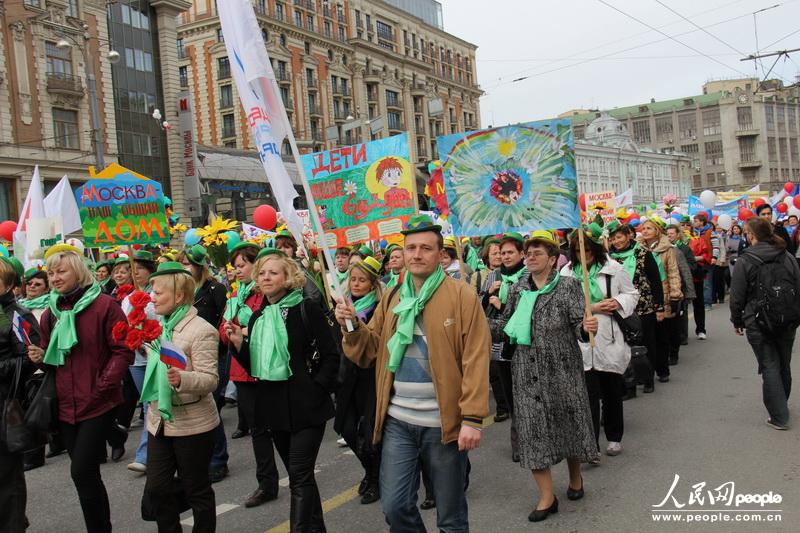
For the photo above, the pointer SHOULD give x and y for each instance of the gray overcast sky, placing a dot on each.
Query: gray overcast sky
(517, 38)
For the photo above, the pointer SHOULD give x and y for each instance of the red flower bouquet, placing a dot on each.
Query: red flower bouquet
(151, 330)
(134, 339)
(137, 316)
(139, 299)
(119, 331)
(137, 330)
(123, 291)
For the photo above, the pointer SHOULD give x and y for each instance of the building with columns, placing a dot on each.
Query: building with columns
(348, 70)
(51, 54)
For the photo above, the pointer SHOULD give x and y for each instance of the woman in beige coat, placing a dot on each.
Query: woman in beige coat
(668, 326)
(181, 415)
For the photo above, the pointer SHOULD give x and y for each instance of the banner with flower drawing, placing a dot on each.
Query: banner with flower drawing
(513, 178)
(363, 192)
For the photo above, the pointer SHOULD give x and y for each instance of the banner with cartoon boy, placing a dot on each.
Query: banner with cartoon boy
(363, 192)
(513, 178)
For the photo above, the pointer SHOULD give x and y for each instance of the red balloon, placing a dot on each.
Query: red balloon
(758, 201)
(788, 187)
(582, 201)
(782, 207)
(265, 217)
(7, 229)
(745, 213)
(635, 216)
(137, 246)
(796, 201)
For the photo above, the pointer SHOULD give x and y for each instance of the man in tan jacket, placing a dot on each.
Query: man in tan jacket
(429, 342)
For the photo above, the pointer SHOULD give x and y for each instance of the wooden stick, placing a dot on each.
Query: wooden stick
(325, 288)
(587, 302)
(460, 253)
(133, 266)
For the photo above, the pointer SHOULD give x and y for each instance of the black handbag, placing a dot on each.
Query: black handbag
(15, 435)
(631, 326)
(42, 413)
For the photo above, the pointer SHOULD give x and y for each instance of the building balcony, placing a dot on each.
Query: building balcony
(394, 104)
(373, 76)
(60, 83)
(397, 126)
(747, 130)
(283, 77)
(749, 163)
(317, 136)
(314, 110)
(184, 81)
(340, 17)
(341, 91)
(182, 53)
(340, 115)
(227, 133)
(225, 103)
(312, 83)
(418, 88)
(310, 5)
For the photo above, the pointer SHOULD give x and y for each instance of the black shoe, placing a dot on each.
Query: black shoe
(501, 417)
(239, 433)
(629, 395)
(259, 497)
(218, 474)
(53, 453)
(30, 466)
(673, 361)
(663, 379)
(429, 503)
(371, 494)
(362, 487)
(515, 456)
(575, 494)
(539, 515)
(648, 388)
(685, 342)
(117, 452)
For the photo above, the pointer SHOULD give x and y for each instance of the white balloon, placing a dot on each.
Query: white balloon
(725, 222)
(76, 243)
(794, 211)
(788, 201)
(708, 199)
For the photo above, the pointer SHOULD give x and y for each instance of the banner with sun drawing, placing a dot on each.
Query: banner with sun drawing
(515, 178)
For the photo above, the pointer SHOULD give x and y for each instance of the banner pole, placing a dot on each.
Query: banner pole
(587, 302)
(133, 266)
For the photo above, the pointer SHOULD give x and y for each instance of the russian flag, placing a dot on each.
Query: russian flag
(172, 356)
(22, 328)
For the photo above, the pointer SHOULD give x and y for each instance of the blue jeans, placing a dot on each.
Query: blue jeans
(220, 456)
(404, 446)
(708, 288)
(774, 357)
(137, 373)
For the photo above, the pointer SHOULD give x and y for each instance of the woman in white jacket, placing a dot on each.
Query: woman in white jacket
(611, 291)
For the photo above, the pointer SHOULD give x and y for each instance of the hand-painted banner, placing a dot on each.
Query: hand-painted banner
(363, 192)
(515, 178)
(604, 202)
(728, 208)
(119, 206)
(252, 232)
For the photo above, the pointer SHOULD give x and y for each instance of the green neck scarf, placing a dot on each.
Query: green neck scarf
(342, 276)
(63, 336)
(155, 385)
(518, 327)
(628, 259)
(365, 302)
(407, 310)
(269, 341)
(40, 302)
(237, 308)
(473, 260)
(507, 280)
(595, 292)
(661, 272)
(393, 278)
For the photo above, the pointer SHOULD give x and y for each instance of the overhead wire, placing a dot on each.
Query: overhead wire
(665, 6)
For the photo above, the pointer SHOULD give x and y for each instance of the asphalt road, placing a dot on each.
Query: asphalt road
(706, 426)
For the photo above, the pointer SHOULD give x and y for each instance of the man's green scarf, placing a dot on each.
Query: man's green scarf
(393, 278)
(518, 327)
(63, 337)
(155, 385)
(269, 341)
(407, 310)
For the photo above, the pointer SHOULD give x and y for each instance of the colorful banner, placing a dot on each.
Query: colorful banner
(252, 233)
(728, 208)
(515, 178)
(119, 206)
(363, 192)
(605, 202)
(724, 197)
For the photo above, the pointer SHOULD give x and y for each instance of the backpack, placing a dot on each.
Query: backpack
(776, 305)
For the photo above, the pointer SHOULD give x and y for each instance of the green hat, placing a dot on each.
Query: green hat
(391, 248)
(686, 219)
(122, 260)
(196, 254)
(269, 251)
(512, 236)
(364, 250)
(15, 265)
(657, 222)
(143, 255)
(593, 232)
(285, 233)
(169, 267)
(370, 265)
(420, 223)
(32, 272)
(491, 239)
(243, 245)
(614, 226)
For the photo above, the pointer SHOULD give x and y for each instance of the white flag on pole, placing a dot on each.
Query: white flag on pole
(625, 198)
(34, 201)
(263, 107)
(60, 203)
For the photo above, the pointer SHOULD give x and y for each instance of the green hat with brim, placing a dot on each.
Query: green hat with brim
(32, 272)
(15, 265)
(614, 226)
(144, 256)
(196, 255)
(285, 234)
(122, 260)
(542, 236)
(593, 232)
(270, 251)
(366, 251)
(169, 267)
(419, 224)
(512, 236)
(370, 265)
(243, 246)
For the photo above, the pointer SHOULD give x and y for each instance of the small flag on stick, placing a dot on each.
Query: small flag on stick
(172, 356)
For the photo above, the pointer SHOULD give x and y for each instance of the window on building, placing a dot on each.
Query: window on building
(394, 120)
(310, 22)
(641, 131)
(697, 181)
(744, 118)
(384, 31)
(693, 151)
(713, 153)
(278, 10)
(228, 125)
(225, 96)
(307, 47)
(772, 150)
(793, 149)
(223, 68)
(148, 62)
(774, 174)
(687, 125)
(72, 8)
(65, 126)
(283, 39)
(749, 175)
(261, 6)
(664, 129)
(181, 48)
(183, 76)
(784, 152)
(264, 35)
(33, 3)
(747, 149)
(392, 99)
(711, 178)
(310, 77)
(220, 36)
(780, 114)
(298, 18)
(711, 122)
(326, 26)
(769, 115)
(341, 33)
(59, 62)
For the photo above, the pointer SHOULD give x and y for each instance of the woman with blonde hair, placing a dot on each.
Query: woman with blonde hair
(355, 399)
(182, 417)
(290, 350)
(121, 275)
(77, 344)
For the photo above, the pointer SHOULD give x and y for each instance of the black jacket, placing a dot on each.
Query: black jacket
(304, 400)
(210, 302)
(744, 285)
(356, 396)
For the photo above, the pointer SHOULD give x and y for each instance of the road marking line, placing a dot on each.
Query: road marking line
(327, 506)
(221, 509)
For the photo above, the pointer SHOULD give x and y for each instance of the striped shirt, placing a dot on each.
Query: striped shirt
(413, 397)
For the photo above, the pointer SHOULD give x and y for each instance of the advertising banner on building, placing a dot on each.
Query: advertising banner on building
(119, 206)
(363, 192)
(514, 178)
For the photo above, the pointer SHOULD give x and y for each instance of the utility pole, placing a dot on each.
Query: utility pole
(757, 56)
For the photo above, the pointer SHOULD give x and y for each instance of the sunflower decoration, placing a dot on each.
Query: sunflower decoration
(177, 228)
(215, 238)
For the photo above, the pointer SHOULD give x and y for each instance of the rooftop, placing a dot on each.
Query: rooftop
(654, 107)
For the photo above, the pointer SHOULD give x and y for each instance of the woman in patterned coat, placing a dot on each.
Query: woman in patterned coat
(544, 316)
